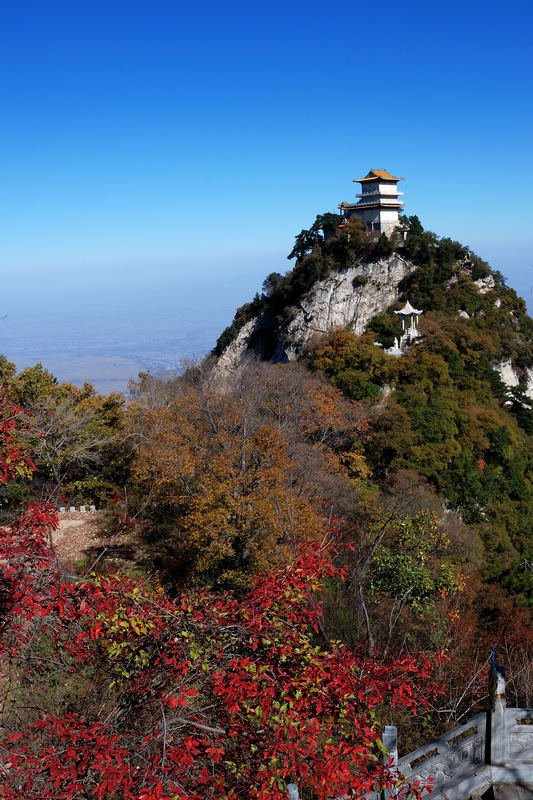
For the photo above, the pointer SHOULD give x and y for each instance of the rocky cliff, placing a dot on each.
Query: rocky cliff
(346, 298)
(512, 377)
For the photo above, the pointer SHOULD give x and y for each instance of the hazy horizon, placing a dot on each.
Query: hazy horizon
(100, 327)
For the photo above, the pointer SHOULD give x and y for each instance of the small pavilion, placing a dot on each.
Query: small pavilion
(409, 317)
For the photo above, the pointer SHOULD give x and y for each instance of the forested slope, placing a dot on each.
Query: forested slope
(449, 417)
(351, 526)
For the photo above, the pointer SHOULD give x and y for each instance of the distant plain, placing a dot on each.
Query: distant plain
(105, 325)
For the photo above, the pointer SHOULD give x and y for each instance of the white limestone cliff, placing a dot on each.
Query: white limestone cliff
(511, 378)
(508, 373)
(346, 298)
(232, 356)
(349, 297)
(529, 382)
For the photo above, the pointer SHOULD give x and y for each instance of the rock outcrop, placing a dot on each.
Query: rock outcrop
(485, 285)
(511, 377)
(347, 298)
(508, 373)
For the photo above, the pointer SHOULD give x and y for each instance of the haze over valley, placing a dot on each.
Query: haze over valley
(105, 326)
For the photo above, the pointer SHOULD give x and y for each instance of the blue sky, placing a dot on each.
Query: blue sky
(157, 153)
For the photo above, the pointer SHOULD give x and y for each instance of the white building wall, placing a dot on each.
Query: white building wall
(388, 221)
(377, 187)
(388, 188)
(380, 220)
(389, 215)
(383, 220)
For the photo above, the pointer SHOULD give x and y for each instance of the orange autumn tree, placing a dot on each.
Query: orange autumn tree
(240, 472)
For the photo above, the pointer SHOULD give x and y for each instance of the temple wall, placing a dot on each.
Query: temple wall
(389, 215)
(388, 188)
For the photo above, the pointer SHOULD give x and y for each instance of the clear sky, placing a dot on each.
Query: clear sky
(154, 153)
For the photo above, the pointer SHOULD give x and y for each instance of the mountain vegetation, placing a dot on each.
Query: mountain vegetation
(325, 547)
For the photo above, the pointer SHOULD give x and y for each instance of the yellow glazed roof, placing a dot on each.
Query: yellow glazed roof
(376, 174)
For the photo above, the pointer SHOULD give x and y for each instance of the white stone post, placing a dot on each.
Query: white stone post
(497, 737)
(390, 741)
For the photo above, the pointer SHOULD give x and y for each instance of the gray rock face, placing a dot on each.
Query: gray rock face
(485, 285)
(529, 382)
(510, 377)
(508, 373)
(347, 298)
(236, 351)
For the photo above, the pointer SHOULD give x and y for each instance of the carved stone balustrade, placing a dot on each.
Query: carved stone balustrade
(487, 757)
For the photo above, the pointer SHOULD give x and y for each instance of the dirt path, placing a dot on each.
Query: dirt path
(77, 532)
(83, 535)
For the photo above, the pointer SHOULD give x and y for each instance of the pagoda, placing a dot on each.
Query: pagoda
(379, 205)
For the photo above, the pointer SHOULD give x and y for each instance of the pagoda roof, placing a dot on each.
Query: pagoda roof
(408, 309)
(376, 175)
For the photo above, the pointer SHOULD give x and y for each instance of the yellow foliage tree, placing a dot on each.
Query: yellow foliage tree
(239, 471)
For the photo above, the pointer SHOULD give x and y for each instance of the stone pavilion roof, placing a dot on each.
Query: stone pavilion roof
(408, 309)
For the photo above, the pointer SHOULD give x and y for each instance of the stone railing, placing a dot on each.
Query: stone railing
(489, 755)
(493, 749)
(449, 761)
(71, 509)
